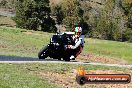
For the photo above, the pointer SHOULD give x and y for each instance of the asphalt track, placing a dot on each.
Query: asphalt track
(19, 60)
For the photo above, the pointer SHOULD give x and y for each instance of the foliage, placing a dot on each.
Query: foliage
(49, 24)
(103, 19)
(126, 5)
(56, 11)
(128, 35)
(8, 4)
(3, 3)
(33, 14)
(106, 28)
(108, 24)
(72, 13)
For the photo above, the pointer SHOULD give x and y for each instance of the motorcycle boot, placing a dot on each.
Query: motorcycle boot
(72, 57)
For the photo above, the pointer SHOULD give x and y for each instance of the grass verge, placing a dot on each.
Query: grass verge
(21, 42)
(21, 76)
(119, 50)
(26, 75)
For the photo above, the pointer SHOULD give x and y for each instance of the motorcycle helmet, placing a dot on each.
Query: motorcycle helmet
(78, 32)
(78, 29)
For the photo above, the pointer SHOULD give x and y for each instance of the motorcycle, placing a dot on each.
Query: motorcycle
(57, 48)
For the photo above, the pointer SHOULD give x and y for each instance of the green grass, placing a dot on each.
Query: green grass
(16, 42)
(119, 50)
(21, 76)
(61, 68)
(26, 75)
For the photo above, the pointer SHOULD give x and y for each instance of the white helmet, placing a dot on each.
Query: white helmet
(78, 29)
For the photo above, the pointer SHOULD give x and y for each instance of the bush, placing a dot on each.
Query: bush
(70, 21)
(72, 13)
(3, 3)
(32, 14)
(48, 25)
(24, 10)
(32, 23)
(128, 35)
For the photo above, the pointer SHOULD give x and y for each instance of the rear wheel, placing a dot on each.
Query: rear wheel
(43, 53)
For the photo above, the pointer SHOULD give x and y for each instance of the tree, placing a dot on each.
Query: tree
(3, 3)
(59, 14)
(109, 22)
(127, 35)
(32, 14)
(72, 13)
(69, 13)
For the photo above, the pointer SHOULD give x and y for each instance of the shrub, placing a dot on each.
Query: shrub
(32, 14)
(128, 35)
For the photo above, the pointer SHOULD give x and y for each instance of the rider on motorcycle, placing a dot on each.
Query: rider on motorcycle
(79, 43)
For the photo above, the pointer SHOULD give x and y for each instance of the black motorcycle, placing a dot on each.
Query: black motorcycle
(57, 48)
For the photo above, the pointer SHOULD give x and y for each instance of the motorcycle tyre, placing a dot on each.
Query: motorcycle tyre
(44, 49)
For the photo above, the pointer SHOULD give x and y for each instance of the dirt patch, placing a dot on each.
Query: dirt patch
(100, 59)
(67, 79)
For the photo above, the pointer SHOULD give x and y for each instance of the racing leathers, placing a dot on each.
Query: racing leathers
(77, 48)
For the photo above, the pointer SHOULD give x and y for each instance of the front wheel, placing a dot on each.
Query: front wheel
(43, 53)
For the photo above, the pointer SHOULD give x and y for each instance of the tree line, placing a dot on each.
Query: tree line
(39, 15)
(34, 15)
(112, 22)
